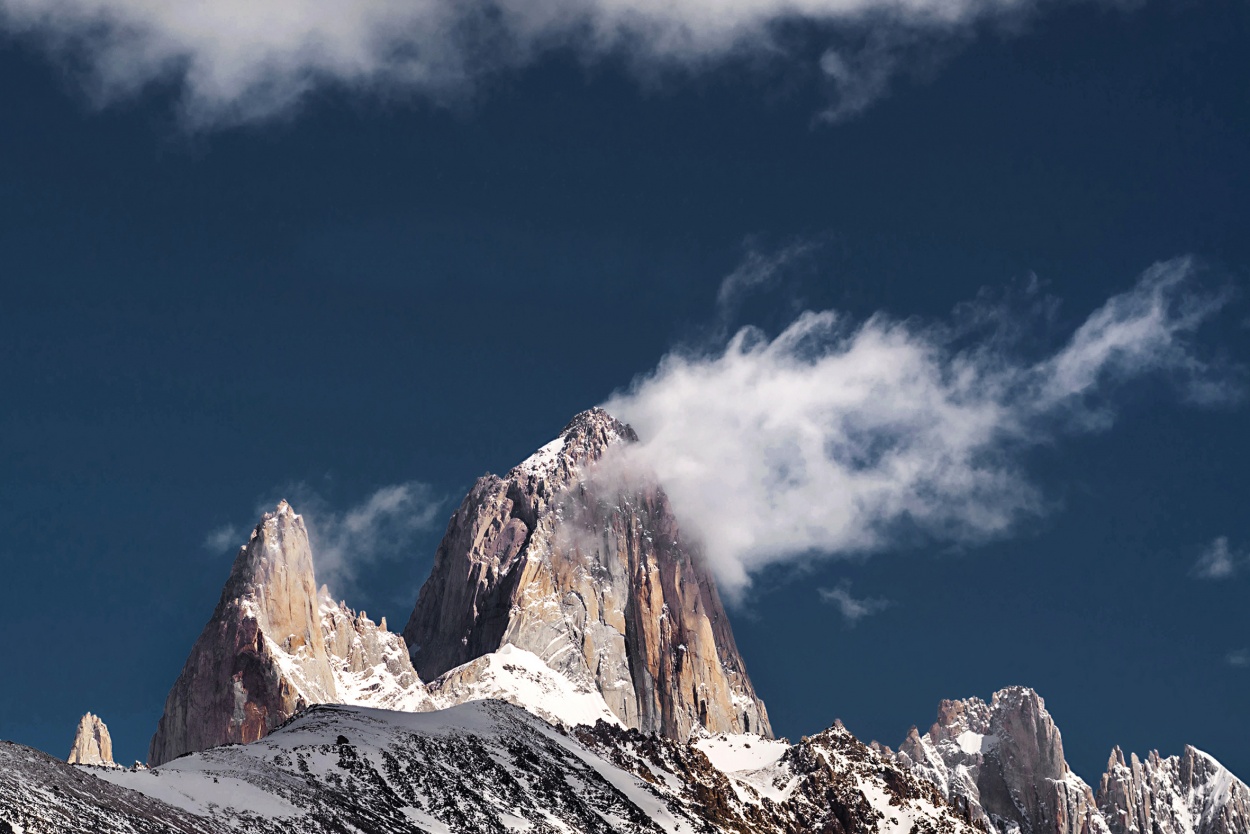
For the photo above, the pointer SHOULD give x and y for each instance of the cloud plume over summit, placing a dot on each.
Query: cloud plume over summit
(237, 60)
(842, 437)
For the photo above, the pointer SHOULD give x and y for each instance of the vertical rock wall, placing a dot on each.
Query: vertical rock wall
(585, 566)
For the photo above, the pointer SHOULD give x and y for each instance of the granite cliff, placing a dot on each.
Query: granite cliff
(586, 567)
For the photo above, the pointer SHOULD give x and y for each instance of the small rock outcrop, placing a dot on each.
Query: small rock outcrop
(1002, 765)
(274, 645)
(587, 569)
(1187, 794)
(370, 665)
(92, 743)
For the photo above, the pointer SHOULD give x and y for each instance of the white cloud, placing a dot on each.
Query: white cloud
(236, 60)
(851, 608)
(839, 437)
(225, 538)
(760, 270)
(1219, 561)
(1238, 659)
(382, 527)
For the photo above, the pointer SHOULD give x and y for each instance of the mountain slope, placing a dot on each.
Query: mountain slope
(586, 568)
(485, 767)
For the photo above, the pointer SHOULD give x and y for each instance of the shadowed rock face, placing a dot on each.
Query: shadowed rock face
(584, 565)
(261, 656)
(1186, 794)
(92, 743)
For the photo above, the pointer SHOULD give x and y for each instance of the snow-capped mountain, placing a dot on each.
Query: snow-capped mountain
(587, 568)
(582, 677)
(483, 767)
(1002, 766)
(275, 645)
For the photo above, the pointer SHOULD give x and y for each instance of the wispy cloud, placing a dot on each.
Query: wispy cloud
(842, 437)
(224, 539)
(1238, 659)
(346, 542)
(1219, 561)
(851, 608)
(379, 528)
(236, 60)
(759, 270)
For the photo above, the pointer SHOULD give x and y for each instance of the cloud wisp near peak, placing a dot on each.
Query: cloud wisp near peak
(839, 437)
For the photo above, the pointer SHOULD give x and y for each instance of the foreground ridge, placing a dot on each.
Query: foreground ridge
(482, 767)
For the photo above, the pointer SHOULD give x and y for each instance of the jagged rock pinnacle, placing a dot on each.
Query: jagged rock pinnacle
(92, 743)
(262, 654)
(276, 644)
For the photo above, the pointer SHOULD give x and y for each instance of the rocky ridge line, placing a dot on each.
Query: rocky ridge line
(1002, 766)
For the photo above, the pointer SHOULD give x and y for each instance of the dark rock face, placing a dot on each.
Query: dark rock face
(1187, 794)
(1002, 764)
(261, 656)
(584, 565)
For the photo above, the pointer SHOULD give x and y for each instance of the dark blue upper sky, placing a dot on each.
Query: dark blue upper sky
(375, 289)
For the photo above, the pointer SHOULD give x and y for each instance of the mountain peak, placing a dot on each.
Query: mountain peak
(1002, 763)
(261, 656)
(585, 439)
(92, 743)
(596, 579)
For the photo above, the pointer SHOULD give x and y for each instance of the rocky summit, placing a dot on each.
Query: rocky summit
(274, 645)
(584, 565)
(1001, 764)
(92, 743)
(1190, 793)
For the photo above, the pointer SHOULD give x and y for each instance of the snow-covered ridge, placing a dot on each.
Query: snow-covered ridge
(486, 766)
(520, 677)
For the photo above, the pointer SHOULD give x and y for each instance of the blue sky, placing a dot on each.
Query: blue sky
(345, 274)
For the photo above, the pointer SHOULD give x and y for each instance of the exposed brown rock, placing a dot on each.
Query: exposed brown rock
(1187, 794)
(92, 743)
(261, 656)
(590, 571)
